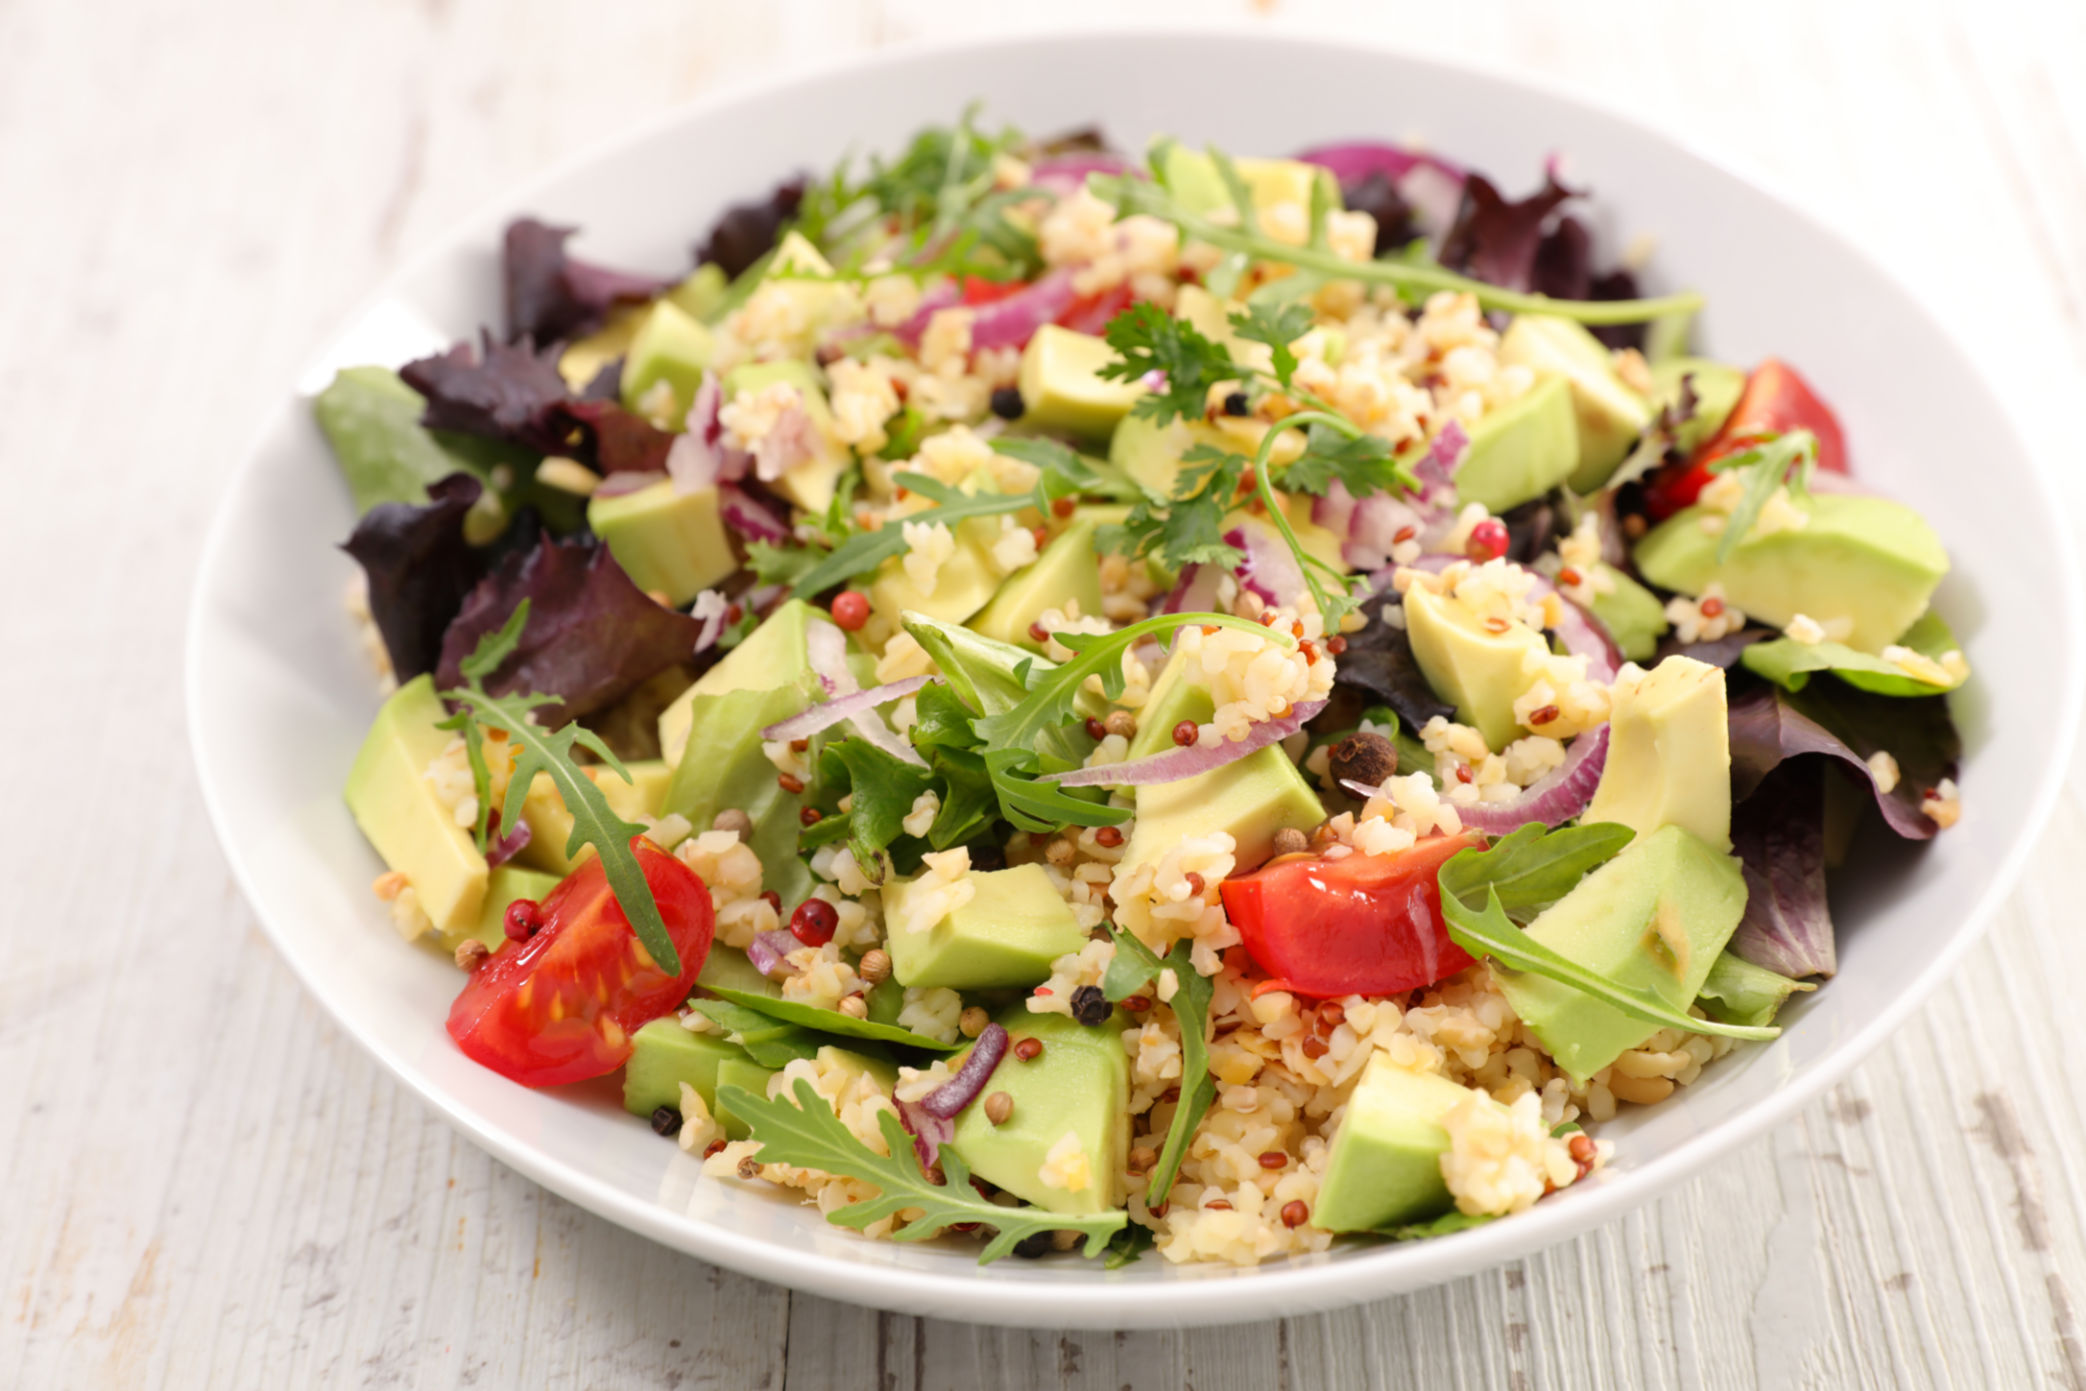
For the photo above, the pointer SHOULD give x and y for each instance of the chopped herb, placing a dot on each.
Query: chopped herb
(1180, 363)
(808, 1135)
(1767, 466)
(1191, 1007)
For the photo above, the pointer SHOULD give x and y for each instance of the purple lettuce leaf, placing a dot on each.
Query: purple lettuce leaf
(1379, 661)
(419, 569)
(513, 394)
(1718, 652)
(1778, 834)
(592, 636)
(1376, 195)
(1495, 240)
(553, 297)
(1770, 725)
(749, 231)
(1618, 284)
(1563, 265)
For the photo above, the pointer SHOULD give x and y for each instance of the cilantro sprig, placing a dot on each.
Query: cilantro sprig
(805, 1133)
(1136, 965)
(1767, 465)
(1153, 198)
(538, 750)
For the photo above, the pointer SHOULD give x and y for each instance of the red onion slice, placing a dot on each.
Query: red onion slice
(1355, 160)
(1011, 322)
(748, 516)
(697, 458)
(1554, 799)
(767, 950)
(498, 852)
(1196, 590)
(929, 1132)
(1175, 764)
(851, 706)
(1268, 569)
(940, 297)
(945, 1101)
(825, 649)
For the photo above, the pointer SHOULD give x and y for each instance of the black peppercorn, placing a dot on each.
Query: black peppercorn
(987, 857)
(666, 1121)
(1365, 758)
(1237, 404)
(1007, 403)
(1033, 1248)
(1090, 1006)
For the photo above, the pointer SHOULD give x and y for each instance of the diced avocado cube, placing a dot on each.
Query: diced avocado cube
(506, 884)
(1716, 386)
(670, 346)
(1632, 614)
(583, 358)
(1864, 566)
(1068, 569)
(1611, 416)
(1521, 450)
(963, 585)
(397, 809)
(809, 484)
(1669, 754)
(773, 655)
(1197, 185)
(1654, 918)
(1079, 1085)
(663, 1055)
(1480, 672)
(372, 420)
(726, 968)
(667, 541)
(1151, 453)
(1385, 1164)
(701, 293)
(1008, 934)
(877, 1070)
(1062, 387)
(550, 823)
(747, 1075)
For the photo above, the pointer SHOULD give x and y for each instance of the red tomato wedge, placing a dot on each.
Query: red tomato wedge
(1091, 313)
(1775, 401)
(562, 1005)
(1363, 925)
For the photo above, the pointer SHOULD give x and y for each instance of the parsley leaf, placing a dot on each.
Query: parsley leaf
(1134, 966)
(1148, 340)
(1277, 326)
(808, 1135)
(1362, 463)
(537, 750)
(1767, 466)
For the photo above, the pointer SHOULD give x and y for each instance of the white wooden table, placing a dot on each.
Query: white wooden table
(203, 1183)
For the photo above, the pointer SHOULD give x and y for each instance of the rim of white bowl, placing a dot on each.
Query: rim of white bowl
(1281, 1287)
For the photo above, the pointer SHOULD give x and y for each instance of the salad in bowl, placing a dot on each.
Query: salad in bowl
(1086, 704)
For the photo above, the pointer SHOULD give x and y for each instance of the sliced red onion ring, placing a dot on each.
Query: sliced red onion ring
(1196, 590)
(945, 1101)
(825, 649)
(1431, 184)
(748, 516)
(929, 1132)
(1175, 764)
(712, 608)
(828, 713)
(628, 481)
(1268, 569)
(500, 851)
(698, 458)
(1011, 322)
(943, 296)
(1554, 799)
(767, 949)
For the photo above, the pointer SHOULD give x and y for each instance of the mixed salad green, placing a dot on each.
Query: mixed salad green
(1209, 703)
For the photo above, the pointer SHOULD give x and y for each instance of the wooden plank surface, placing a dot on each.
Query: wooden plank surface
(208, 1185)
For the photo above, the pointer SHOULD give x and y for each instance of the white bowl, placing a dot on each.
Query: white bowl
(279, 696)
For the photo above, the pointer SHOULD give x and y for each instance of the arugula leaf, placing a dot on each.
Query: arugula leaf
(883, 790)
(865, 550)
(829, 1021)
(968, 799)
(807, 1134)
(1767, 465)
(785, 565)
(1068, 471)
(771, 1042)
(1235, 189)
(536, 750)
(1129, 1243)
(1486, 930)
(1440, 1226)
(1134, 967)
(1277, 326)
(1738, 992)
(1149, 340)
(1533, 868)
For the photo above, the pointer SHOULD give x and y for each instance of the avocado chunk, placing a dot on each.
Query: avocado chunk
(1068, 568)
(772, 655)
(1385, 1164)
(1654, 917)
(397, 809)
(1609, 413)
(372, 420)
(1669, 753)
(663, 1055)
(1249, 799)
(670, 346)
(1480, 672)
(811, 483)
(550, 822)
(963, 585)
(1151, 453)
(668, 542)
(741, 1072)
(1079, 1085)
(1007, 935)
(700, 295)
(1716, 386)
(1193, 179)
(584, 358)
(1632, 614)
(1521, 450)
(1062, 387)
(507, 883)
(1863, 567)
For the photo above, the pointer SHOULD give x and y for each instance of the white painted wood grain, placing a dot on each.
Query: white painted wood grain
(206, 1184)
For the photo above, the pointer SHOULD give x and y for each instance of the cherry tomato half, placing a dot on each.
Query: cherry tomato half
(1775, 401)
(561, 1006)
(1363, 925)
